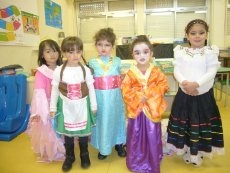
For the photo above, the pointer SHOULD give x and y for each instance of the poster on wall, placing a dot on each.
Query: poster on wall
(30, 23)
(53, 15)
(19, 23)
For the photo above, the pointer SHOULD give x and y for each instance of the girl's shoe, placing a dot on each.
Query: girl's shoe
(186, 157)
(101, 157)
(197, 160)
(120, 150)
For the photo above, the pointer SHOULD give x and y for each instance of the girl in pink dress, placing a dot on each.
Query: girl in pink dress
(44, 140)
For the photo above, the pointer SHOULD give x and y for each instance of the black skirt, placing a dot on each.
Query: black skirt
(195, 122)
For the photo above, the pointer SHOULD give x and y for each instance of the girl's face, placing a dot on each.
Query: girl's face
(50, 55)
(104, 48)
(142, 53)
(73, 57)
(197, 36)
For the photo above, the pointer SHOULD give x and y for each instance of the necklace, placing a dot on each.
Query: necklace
(104, 66)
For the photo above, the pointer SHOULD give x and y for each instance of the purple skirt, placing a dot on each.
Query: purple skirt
(144, 145)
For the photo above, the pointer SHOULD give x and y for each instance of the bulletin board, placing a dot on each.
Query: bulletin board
(19, 22)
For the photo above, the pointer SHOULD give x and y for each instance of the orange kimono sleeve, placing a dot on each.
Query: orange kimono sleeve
(156, 88)
(132, 93)
(157, 83)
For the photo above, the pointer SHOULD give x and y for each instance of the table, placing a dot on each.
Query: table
(225, 71)
(225, 59)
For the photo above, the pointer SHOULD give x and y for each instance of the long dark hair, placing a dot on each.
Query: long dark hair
(53, 45)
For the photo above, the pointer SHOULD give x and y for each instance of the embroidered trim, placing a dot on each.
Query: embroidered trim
(188, 52)
(104, 66)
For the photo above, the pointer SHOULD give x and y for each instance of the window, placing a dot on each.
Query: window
(157, 4)
(93, 16)
(89, 26)
(228, 18)
(167, 19)
(182, 19)
(160, 25)
(164, 19)
(186, 3)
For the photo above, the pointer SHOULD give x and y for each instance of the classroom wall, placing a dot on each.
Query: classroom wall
(27, 56)
(216, 23)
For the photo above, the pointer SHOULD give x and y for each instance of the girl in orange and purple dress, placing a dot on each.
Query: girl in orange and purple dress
(45, 142)
(143, 91)
(195, 127)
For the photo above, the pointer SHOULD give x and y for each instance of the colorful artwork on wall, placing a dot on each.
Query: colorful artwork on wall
(19, 24)
(53, 14)
(30, 23)
(10, 21)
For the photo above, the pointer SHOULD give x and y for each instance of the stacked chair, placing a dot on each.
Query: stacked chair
(14, 111)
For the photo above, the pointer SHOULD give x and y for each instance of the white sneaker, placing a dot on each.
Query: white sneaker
(186, 157)
(197, 160)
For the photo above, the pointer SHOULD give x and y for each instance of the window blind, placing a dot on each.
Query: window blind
(152, 4)
(89, 26)
(123, 26)
(182, 20)
(187, 3)
(170, 22)
(160, 25)
(120, 6)
(93, 16)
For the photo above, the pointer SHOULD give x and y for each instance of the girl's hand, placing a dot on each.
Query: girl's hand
(35, 118)
(184, 83)
(193, 93)
(190, 87)
(52, 114)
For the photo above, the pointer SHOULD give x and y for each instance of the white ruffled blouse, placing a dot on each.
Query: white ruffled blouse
(196, 65)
